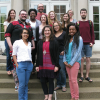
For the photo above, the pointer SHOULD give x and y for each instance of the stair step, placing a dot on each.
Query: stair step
(35, 83)
(85, 93)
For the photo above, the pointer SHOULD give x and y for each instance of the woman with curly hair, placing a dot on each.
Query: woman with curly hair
(72, 57)
(51, 18)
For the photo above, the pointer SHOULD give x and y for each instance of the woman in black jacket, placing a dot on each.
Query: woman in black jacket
(47, 61)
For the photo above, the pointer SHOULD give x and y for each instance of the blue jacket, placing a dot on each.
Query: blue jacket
(75, 53)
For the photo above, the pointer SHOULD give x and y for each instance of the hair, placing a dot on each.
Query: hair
(32, 10)
(9, 17)
(83, 9)
(60, 28)
(49, 20)
(70, 10)
(29, 38)
(51, 36)
(22, 10)
(68, 21)
(68, 37)
(46, 19)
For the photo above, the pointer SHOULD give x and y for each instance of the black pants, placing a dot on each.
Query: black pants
(34, 51)
(45, 87)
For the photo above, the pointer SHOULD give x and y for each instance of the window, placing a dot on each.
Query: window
(4, 0)
(3, 11)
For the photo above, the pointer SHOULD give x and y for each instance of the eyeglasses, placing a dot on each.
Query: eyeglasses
(56, 26)
(24, 14)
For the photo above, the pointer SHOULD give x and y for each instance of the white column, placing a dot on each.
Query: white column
(17, 5)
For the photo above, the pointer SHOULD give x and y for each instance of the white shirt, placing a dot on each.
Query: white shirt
(33, 26)
(22, 51)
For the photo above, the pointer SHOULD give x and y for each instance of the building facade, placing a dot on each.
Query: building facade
(60, 7)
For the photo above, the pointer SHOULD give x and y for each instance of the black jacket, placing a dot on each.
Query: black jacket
(54, 53)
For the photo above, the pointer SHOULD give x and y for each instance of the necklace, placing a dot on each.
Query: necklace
(44, 51)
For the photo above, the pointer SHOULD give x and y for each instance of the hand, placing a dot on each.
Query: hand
(32, 48)
(62, 53)
(91, 44)
(69, 66)
(56, 69)
(11, 48)
(17, 65)
(65, 63)
(37, 69)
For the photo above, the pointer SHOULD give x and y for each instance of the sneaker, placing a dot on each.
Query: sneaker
(16, 88)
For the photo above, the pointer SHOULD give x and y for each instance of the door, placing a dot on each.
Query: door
(94, 15)
(4, 9)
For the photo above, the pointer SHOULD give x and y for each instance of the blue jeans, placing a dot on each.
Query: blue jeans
(24, 71)
(61, 80)
(9, 63)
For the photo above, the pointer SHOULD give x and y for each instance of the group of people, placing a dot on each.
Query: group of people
(57, 48)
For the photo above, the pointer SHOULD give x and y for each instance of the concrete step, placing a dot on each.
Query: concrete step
(94, 73)
(35, 83)
(95, 58)
(35, 94)
(94, 65)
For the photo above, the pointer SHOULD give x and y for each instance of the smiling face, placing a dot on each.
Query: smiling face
(40, 8)
(70, 13)
(52, 15)
(25, 35)
(56, 27)
(43, 18)
(47, 32)
(65, 17)
(72, 30)
(23, 16)
(12, 14)
(32, 15)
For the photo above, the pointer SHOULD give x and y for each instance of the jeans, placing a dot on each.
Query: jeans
(9, 63)
(61, 80)
(24, 71)
(72, 74)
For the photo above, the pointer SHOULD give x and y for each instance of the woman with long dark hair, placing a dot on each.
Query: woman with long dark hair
(59, 35)
(22, 59)
(72, 58)
(47, 64)
(10, 18)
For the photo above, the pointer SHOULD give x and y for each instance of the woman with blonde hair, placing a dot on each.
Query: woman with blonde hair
(51, 18)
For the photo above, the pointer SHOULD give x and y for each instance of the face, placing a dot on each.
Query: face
(23, 16)
(70, 13)
(32, 15)
(25, 35)
(47, 32)
(83, 14)
(56, 27)
(12, 15)
(40, 8)
(52, 15)
(43, 19)
(65, 17)
(72, 30)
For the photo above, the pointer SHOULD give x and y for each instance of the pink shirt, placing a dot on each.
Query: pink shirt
(39, 15)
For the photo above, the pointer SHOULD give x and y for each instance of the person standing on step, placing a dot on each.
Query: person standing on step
(47, 61)
(87, 33)
(34, 23)
(59, 35)
(51, 18)
(10, 18)
(71, 13)
(22, 58)
(72, 58)
(13, 33)
(40, 11)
